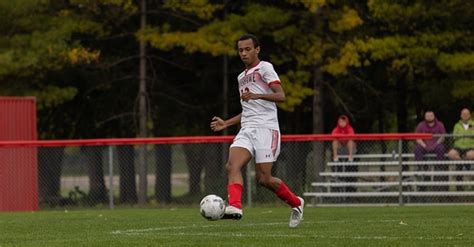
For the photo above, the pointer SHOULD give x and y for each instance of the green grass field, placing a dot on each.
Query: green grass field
(363, 226)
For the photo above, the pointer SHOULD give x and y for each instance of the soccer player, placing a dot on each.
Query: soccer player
(259, 136)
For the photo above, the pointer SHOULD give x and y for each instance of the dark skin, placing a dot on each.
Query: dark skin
(238, 156)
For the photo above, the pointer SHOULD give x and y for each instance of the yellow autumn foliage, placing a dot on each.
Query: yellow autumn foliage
(346, 20)
(349, 57)
(311, 5)
(81, 55)
(201, 8)
(295, 90)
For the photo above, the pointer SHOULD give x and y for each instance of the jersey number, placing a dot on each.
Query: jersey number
(244, 90)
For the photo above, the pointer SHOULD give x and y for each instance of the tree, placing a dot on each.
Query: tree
(292, 41)
(215, 37)
(409, 46)
(46, 51)
(128, 187)
(315, 30)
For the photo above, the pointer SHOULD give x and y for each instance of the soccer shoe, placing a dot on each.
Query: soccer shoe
(232, 213)
(297, 214)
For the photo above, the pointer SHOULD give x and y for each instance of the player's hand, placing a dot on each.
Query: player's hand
(217, 124)
(248, 96)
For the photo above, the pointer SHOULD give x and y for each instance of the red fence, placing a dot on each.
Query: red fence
(18, 165)
(62, 167)
(207, 139)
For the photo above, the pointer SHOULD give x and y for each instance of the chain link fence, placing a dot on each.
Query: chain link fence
(397, 172)
(380, 171)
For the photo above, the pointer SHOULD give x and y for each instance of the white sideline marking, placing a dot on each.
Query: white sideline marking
(249, 235)
(187, 227)
(161, 231)
(390, 237)
(158, 229)
(246, 235)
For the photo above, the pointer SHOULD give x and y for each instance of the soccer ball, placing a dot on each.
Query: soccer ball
(212, 207)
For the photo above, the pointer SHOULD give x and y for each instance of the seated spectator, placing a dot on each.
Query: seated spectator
(433, 146)
(343, 146)
(463, 145)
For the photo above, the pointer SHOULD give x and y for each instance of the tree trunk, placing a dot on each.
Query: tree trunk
(225, 90)
(318, 127)
(142, 108)
(195, 161)
(402, 114)
(296, 169)
(97, 189)
(163, 173)
(126, 162)
(49, 170)
(383, 144)
(224, 147)
(215, 180)
(381, 75)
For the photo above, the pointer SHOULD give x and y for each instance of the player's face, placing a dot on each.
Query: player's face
(247, 52)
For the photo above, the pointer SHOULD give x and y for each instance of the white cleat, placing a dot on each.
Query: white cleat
(233, 213)
(297, 214)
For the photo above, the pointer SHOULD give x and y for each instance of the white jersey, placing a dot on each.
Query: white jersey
(258, 113)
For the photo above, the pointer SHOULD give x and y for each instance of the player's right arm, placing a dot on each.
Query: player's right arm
(218, 124)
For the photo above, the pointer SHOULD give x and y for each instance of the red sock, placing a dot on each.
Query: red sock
(234, 192)
(284, 193)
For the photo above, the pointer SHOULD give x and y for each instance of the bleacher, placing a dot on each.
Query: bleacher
(390, 178)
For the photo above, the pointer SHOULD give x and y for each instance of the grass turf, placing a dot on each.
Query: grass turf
(363, 226)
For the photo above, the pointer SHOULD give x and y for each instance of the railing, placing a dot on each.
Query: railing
(412, 181)
(180, 170)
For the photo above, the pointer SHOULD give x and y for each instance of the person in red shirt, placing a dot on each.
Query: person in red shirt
(343, 146)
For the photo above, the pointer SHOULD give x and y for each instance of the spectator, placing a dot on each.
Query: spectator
(463, 145)
(433, 146)
(343, 146)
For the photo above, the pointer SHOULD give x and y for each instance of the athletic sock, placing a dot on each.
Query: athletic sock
(284, 193)
(234, 192)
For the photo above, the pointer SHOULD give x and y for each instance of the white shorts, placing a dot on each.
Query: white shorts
(262, 143)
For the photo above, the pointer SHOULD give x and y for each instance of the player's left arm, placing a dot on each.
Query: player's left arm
(278, 94)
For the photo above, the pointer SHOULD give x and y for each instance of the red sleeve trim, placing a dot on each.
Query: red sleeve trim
(274, 82)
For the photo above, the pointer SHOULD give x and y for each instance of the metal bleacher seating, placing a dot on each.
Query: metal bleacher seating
(390, 179)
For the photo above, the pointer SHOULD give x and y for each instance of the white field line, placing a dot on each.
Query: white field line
(208, 234)
(174, 228)
(260, 235)
(157, 229)
(172, 232)
(389, 237)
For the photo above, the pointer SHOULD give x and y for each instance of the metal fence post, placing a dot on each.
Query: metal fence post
(400, 172)
(111, 178)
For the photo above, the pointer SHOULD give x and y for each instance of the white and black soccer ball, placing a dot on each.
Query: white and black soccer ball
(212, 207)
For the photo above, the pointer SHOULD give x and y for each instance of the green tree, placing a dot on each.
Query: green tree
(291, 41)
(48, 49)
(416, 51)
